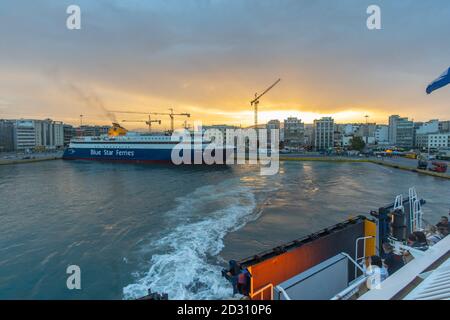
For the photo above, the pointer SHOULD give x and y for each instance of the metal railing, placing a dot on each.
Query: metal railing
(364, 251)
(354, 285)
(261, 292)
(283, 292)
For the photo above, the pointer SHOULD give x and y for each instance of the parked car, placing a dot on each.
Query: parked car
(439, 167)
(422, 164)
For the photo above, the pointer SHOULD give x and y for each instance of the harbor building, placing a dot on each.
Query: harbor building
(421, 140)
(439, 141)
(294, 132)
(431, 126)
(91, 131)
(401, 132)
(274, 125)
(382, 135)
(32, 134)
(422, 131)
(6, 135)
(347, 141)
(338, 138)
(323, 133)
(348, 129)
(367, 132)
(309, 135)
(25, 133)
(69, 133)
(216, 131)
(444, 126)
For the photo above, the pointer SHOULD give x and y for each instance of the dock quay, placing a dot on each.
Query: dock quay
(392, 163)
(20, 159)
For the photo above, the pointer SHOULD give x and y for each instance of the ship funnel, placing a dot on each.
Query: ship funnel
(117, 130)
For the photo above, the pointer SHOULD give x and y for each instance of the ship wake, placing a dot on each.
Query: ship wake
(186, 265)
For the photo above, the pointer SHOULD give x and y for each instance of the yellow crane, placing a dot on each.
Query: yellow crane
(147, 122)
(171, 115)
(255, 102)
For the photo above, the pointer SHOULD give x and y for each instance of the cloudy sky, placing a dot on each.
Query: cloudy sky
(209, 57)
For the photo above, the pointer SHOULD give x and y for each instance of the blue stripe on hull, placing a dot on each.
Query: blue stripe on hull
(121, 155)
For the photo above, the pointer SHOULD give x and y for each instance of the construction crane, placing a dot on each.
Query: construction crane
(255, 102)
(171, 115)
(147, 122)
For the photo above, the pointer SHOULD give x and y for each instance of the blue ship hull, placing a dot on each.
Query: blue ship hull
(123, 155)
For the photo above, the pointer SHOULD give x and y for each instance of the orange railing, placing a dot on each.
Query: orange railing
(261, 291)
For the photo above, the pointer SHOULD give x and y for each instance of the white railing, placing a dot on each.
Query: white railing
(355, 285)
(283, 292)
(364, 251)
(412, 217)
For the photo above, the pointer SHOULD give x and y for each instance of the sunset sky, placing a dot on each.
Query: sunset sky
(209, 57)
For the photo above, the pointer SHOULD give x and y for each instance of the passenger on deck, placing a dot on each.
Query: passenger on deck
(421, 242)
(443, 223)
(392, 261)
(376, 268)
(435, 235)
(444, 231)
(412, 239)
(233, 273)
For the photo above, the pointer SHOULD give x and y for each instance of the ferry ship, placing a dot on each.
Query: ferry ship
(120, 145)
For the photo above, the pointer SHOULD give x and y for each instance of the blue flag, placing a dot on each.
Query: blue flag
(440, 82)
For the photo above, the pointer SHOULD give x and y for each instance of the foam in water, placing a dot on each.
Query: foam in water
(185, 270)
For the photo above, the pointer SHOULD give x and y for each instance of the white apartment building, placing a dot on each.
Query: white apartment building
(324, 133)
(382, 134)
(25, 134)
(431, 126)
(439, 140)
(29, 134)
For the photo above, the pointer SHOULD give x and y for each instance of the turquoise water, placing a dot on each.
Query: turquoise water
(171, 229)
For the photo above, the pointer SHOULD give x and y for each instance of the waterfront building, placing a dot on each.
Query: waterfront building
(366, 132)
(294, 132)
(422, 130)
(56, 134)
(338, 138)
(6, 135)
(323, 133)
(274, 125)
(439, 141)
(401, 132)
(49, 133)
(30, 134)
(347, 141)
(308, 138)
(91, 131)
(444, 126)
(382, 135)
(348, 129)
(421, 140)
(431, 126)
(392, 129)
(25, 135)
(69, 133)
(219, 133)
